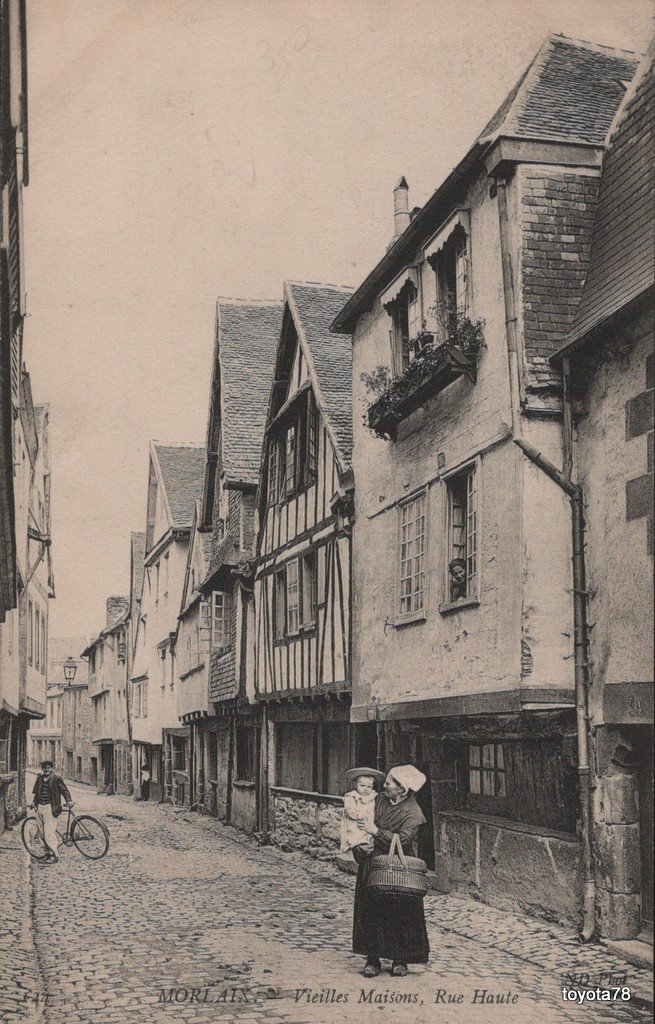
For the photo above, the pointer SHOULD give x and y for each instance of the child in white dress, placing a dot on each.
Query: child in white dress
(358, 805)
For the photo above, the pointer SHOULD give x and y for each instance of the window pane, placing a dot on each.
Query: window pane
(488, 784)
(412, 555)
(280, 606)
(474, 782)
(290, 466)
(500, 757)
(500, 784)
(474, 755)
(273, 472)
(488, 755)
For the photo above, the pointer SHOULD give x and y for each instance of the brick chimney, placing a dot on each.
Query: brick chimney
(401, 217)
(116, 609)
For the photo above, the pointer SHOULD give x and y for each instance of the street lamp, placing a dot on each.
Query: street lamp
(70, 668)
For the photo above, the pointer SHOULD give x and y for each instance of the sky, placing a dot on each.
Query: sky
(186, 149)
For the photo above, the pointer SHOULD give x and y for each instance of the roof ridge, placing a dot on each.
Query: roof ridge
(249, 302)
(178, 446)
(589, 44)
(323, 284)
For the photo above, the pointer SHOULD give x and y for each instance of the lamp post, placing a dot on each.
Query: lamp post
(70, 668)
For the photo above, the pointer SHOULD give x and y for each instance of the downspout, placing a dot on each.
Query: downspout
(574, 492)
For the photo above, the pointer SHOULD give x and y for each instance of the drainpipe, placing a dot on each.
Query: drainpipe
(574, 492)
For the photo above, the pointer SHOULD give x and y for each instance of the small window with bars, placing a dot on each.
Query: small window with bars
(412, 556)
(487, 770)
(462, 543)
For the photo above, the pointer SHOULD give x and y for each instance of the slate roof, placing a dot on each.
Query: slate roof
(622, 263)
(138, 552)
(314, 307)
(569, 93)
(182, 469)
(247, 337)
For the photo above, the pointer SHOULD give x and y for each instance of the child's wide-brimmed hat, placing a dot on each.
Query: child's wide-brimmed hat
(370, 773)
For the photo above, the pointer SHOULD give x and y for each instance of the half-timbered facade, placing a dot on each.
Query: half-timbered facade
(302, 583)
(227, 742)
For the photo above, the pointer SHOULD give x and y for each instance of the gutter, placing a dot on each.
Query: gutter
(564, 480)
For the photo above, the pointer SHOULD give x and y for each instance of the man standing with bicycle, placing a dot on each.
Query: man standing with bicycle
(48, 791)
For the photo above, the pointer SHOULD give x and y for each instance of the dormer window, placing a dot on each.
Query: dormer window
(403, 303)
(449, 256)
(293, 450)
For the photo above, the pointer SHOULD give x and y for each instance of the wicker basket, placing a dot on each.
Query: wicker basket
(394, 874)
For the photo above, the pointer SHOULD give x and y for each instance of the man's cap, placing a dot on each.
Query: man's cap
(46, 764)
(358, 773)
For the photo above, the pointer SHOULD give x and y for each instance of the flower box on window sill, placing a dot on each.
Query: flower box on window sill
(456, 606)
(433, 369)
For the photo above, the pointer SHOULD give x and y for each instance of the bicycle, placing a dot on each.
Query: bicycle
(84, 832)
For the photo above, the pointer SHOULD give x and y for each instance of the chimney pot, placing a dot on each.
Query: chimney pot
(401, 216)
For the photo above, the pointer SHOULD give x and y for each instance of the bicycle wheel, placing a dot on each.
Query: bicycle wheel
(32, 840)
(90, 837)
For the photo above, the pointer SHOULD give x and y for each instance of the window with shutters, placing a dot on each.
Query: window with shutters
(273, 471)
(290, 461)
(293, 452)
(279, 604)
(309, 592)
(462, 537)
(293, 596)
(37, 639)
(30, 643)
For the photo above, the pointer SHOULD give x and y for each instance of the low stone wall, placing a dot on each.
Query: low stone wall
(510, 866)
(306, 821)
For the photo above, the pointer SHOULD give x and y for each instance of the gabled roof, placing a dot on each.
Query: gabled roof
(199, 540)
(569, 93)
(181, 468)
(622, 264)
(329, 356)
(247, 335)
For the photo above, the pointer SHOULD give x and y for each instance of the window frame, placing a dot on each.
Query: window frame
(471, 467)
(419, 614)
(490, 773)
(225, 618)
(283, 633)
(293, 468)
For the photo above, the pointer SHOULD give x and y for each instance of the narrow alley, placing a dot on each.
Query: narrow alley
(189, 920)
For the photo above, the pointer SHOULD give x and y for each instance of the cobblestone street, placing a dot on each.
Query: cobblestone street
(188, 920)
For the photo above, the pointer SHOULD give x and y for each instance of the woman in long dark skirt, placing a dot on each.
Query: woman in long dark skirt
(386, 926)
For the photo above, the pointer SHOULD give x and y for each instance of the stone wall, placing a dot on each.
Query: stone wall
(479, 859)
(310, 824)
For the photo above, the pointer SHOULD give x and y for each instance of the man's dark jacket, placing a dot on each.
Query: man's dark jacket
(50, 791)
